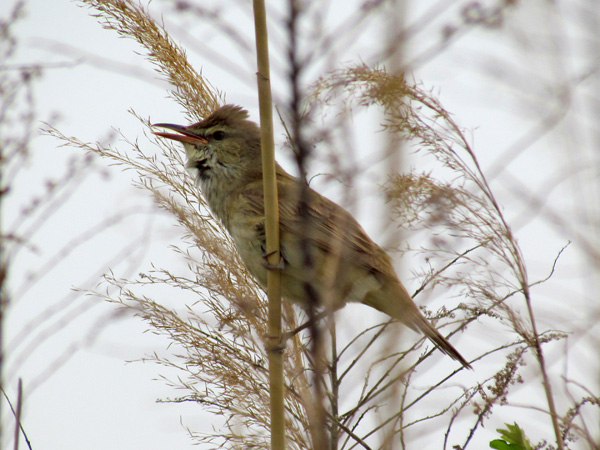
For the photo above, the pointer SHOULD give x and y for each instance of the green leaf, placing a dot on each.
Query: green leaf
(513, 438)
(499, 444)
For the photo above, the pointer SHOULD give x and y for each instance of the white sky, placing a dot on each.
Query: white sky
(79, 391)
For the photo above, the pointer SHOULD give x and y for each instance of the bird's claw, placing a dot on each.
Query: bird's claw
(267, 265)
(279, 346)
(285, 336)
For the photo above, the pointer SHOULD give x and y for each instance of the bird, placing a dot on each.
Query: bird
(224, 155)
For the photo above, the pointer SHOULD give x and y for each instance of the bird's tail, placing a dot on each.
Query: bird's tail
(398, 304)
(440, 341)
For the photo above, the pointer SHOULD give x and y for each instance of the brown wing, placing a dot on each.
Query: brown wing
(330, 227)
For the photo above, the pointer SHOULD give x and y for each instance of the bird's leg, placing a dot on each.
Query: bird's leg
(290, 334)
(267, 265)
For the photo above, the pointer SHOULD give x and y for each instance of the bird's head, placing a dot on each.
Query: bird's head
(225, 144)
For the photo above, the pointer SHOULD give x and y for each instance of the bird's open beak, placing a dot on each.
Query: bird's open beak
(184, 135)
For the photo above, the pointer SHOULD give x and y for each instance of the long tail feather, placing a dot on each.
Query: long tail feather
(440, 341)
(395, 301)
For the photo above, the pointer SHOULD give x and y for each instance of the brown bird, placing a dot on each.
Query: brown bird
(224, 150)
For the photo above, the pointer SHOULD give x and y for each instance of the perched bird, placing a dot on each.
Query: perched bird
(224, 150)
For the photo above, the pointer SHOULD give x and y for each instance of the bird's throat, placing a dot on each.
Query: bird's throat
(203, 168)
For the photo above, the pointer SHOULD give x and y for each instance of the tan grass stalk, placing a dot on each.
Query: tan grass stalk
(276, 385)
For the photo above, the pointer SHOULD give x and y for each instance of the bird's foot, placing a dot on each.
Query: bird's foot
(285, 336)
(267, 265)
(278, 347)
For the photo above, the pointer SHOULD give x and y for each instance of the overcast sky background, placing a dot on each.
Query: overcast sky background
(71, 349)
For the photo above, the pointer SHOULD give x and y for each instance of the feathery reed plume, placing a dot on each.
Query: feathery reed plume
(190, 89)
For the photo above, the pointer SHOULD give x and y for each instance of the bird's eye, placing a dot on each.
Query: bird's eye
(219, 135)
